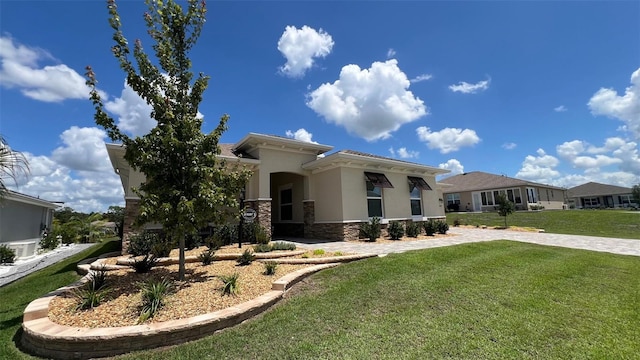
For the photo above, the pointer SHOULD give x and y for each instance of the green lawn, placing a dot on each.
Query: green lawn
(607, 223)
(492, 300)
(16, 296)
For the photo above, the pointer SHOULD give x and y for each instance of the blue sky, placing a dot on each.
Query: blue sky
(543, 91)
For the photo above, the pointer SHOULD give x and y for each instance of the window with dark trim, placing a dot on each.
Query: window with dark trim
(378, 180)
(418, 182)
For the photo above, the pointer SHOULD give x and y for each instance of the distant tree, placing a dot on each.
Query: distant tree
(87, 228)
(116, 215)
(505, 207)
(12, 165)
(186, 185)
(65, 214)
(635, 192)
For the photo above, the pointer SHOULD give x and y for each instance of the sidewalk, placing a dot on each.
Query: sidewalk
(469, 235)
(21, 268)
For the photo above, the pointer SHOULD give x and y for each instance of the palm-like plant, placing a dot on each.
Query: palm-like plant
(12, 165)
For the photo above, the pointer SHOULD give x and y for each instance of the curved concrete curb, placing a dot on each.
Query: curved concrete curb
(321, 260)
(43, 337)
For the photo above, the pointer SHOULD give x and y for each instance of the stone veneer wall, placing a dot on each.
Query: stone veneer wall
(309, 210)
(333, 231)
(263, 208)
(131, 208)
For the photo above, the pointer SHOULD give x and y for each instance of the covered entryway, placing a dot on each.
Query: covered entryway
(287, 203)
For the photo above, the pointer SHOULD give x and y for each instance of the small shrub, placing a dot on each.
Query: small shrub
(214, 242)
(50, 242)
(371, 230)
(230, 284)
(262, 248)
(89, 296)
(162, 248)
(207, 256)
(305, 255)
(318, 252)
(396, 230)
(98, 278)
(145, 264)
(430, 227)
(227, 233)
(442, 227)
(412, 229)
(153, 295)
(191, 241)
(246, 258)
(142, 243)
(281, 245)
(260, 235)
(270, 267)
(457, 222)
(7, 255)
(338, 253)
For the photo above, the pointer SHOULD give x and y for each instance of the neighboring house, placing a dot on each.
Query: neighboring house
(299, 190)
(23, 220)
(478, 191)
(595, 195)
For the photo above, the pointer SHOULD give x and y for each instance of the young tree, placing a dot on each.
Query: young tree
(116, 214)
(186, 185)
(12, 165)
(635, 193)
(505, 207)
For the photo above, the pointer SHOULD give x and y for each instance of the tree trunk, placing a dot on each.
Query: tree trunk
(181, 260)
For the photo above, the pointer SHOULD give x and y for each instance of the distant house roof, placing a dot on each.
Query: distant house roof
(477, 180)
(32, 200)
(597, 189)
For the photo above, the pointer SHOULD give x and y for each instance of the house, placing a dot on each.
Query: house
(595, 195)
(23, 220)
(299, 190)
(477, 191)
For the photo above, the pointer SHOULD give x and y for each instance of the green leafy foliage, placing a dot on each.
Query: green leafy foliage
(7, 255)
(282, 245)
(635, 193)
(50, 242)
(262, 248)
(207, 256)
(154, 293)
(144, 264)
(230, 284)
(13, 164)
(412, 229)
(442, 227)
(246, 258)
(430, 227)
(371, 230)
(270, 267)
(396, 230)
(93, 292)
(505, 207)
(318, 252)
(457, 222)
(227, 233)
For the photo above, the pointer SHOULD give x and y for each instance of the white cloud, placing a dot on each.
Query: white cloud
(447, 139)
(133, 112)
(625, 107)
(539, 168)
(61, 177)
(301, 135)
(51, 83)
(509, 146)
(560, 108)
(466, 88)
(370, 103)
(421, 77)
(403, 153)
(391, 53)
(452, 165)
(300, 47)
(616, 151)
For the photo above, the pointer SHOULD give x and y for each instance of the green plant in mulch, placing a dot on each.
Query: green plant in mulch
(442, 227)
(457, 222)
(318, 252)
(154, 293)
(246, 258)
(270, 267)
(430, 227)
(7, 255)
(396, 230)
(371, 230)
(412, 229)
(338, 253)
(230, 284)
(93, 292)
(50, 242)
(262, 248)
(282, 245)
(145, 264)
(207, 256)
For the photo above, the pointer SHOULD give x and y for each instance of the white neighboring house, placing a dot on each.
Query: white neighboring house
(23, 219)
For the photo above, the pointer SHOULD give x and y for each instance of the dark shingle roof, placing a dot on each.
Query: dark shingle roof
(597, 189)
(477, 180)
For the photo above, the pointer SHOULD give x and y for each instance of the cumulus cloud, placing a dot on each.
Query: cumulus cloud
(452, 165)
(447, 139)
(625, 107)
(466, 88)
(301, 47)
(80, 185)
(540, 168)
(560, 108)
(370, 103)
(615, 151)
(301, 135)
(132, 111)
(421, 77)
(403, 153)
(50, 83)
(509, 146)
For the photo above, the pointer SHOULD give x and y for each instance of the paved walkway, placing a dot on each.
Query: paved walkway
(21, 268)
(470, 235)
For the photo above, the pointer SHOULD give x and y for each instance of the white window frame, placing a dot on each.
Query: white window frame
(418, 199)
(453, 198)
(375, 198)
(532, 194)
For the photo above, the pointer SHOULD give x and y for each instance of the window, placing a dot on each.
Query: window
(625, 199)
(286, 204)
(487, 198)
(415, 197)
(453, 199)
(594, 201)
(532, 197)
(375, 183)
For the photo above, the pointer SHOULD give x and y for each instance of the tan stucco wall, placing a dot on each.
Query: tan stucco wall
(297, 185)
(274, 161)
(327, 189)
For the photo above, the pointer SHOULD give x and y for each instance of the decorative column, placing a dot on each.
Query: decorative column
(309, 210)
(131, 209)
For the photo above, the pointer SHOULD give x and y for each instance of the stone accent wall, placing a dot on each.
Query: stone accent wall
(309, 209)
(131, 208)
(263, 208)
(333, 231)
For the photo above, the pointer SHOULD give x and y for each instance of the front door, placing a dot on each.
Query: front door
(477, 202)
